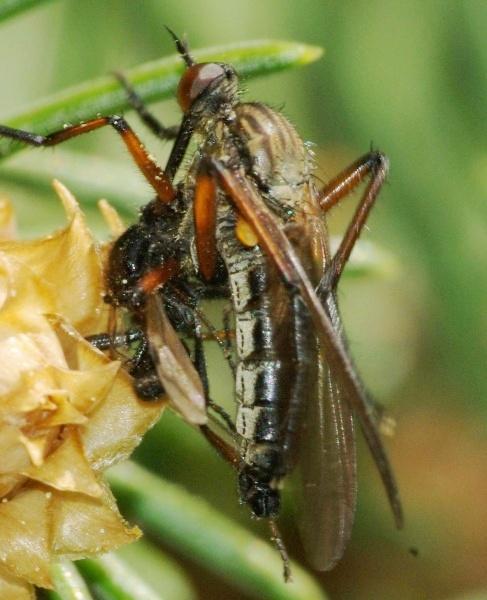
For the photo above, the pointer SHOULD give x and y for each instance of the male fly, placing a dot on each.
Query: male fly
(246, 222)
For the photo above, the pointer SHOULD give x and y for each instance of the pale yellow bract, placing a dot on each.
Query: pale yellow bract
(67, 412)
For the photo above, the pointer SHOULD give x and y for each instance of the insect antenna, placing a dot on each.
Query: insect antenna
(182, 48)
(276, 537)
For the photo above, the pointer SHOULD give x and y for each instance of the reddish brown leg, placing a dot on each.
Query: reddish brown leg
(204, 208)
(225, 450)
(152, 172)
(373, 165)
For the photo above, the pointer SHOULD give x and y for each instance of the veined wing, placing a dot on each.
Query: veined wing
(174, 367)
(280, 250)
(328, 475)
(327, 459)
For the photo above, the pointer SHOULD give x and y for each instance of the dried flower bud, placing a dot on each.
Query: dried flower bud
(67, 412)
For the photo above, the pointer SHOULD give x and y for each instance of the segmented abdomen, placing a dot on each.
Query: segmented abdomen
(274, 343)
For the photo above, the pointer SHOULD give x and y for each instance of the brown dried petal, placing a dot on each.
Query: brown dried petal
(117, 423)
(12, 588)
(114, 221)
(13, 452)
(91, 383)
(67, 469)
(24, 299)
(68, 263)
(35, 385)
(84, 526)
(10, 482)
(24, 536)
(66, 410)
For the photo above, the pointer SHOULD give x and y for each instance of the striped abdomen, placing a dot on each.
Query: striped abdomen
(274, 343)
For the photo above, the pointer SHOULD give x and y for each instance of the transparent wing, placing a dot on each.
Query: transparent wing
(174, 367)
(326, 459)
(327, 466)
(280, 250)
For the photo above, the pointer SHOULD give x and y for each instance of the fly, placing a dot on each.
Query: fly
(246, 223)
(256, 206)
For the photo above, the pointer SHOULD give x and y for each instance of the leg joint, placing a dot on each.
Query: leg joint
(378, 162)
(118, 123)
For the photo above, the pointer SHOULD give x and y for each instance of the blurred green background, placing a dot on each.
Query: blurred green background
(411, 79)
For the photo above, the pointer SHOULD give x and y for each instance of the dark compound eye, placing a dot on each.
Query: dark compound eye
(196, 80)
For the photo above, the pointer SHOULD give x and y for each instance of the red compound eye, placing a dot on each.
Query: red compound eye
(195, 80)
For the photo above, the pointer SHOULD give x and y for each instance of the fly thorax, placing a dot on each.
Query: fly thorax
(277, 156)
(213, 128)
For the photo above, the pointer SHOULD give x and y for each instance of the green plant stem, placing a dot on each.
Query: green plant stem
(138, 571)
(153, 81)
(88, 175)
(204, 535)
(68, 583)
(9, 8)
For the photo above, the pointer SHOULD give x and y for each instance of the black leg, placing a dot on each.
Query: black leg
(200, 358)
(276, 537)
(141, 367)
(157, 128)
(200, 365)
(227, 315)
(180, 145)
(147, 384)
(213, 333)
(105, 341)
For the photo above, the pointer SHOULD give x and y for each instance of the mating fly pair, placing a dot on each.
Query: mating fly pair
(246, 223)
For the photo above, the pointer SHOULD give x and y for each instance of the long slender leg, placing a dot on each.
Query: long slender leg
(227, 315)
(213, 333)
(204, 212)
(276, 537)
(200, 358)
(201, 367)
(224, 449)
(152, 172)
(157, 128)
(230, 455)
(104, 341)
(147, 384)
(183, 133)
(373, 165)
(222, 413)
(146, 381)
(180, 145)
